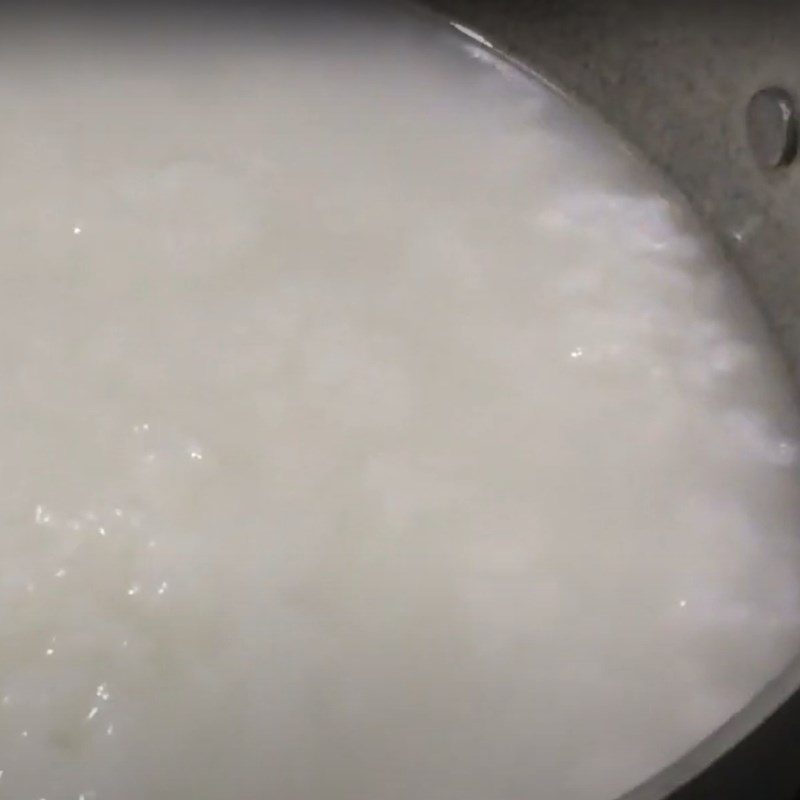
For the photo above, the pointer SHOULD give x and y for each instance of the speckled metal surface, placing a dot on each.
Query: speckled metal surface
(675, 78)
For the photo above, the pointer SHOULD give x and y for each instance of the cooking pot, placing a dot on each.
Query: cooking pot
(706, 91)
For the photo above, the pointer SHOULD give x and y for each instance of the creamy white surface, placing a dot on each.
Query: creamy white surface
(372, 427)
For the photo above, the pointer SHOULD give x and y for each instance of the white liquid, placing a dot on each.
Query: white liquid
(372, 428)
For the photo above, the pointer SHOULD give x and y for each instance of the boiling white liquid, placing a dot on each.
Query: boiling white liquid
(372, 428)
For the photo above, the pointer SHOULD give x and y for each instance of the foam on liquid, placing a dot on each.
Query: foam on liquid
(373, 427)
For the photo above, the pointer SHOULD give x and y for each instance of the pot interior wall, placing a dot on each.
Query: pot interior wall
(675, 79)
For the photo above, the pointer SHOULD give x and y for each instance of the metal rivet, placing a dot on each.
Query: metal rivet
(772, 127)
